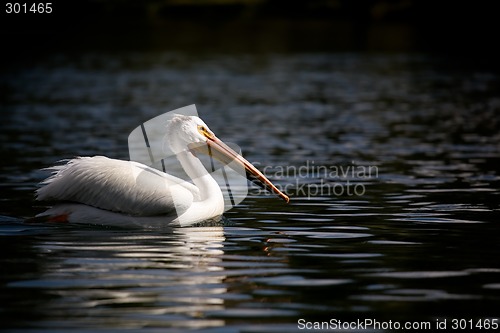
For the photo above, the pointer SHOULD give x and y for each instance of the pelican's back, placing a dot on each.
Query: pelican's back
(120, 186)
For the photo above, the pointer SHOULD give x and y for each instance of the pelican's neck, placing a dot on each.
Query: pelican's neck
(205, 183)
(211, 200)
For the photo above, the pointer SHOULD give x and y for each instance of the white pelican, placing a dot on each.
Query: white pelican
(100, 190)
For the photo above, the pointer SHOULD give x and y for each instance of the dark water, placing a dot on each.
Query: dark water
(417, 241)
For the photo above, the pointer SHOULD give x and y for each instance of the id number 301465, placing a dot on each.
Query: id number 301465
(27, 8)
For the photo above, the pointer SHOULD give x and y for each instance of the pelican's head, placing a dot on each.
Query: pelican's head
(184, 130)
(192, 134)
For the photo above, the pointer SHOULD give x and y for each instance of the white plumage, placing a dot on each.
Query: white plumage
(120, 186)
(102, 190)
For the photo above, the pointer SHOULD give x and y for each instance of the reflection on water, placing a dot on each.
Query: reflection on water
(128, 279)
(421, 242)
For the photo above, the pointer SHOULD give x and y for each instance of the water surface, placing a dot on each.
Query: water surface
(420, 243)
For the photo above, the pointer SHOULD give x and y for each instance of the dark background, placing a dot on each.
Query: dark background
(455, 28)
(335, 82)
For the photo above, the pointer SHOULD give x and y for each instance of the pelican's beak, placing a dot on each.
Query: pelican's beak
(218, 149)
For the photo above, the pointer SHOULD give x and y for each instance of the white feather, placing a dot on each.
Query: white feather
(119, 186)
(108, 191)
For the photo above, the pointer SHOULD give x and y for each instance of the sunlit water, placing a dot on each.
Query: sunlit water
(416, 241)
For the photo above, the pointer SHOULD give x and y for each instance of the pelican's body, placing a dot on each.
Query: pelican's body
(108, 191)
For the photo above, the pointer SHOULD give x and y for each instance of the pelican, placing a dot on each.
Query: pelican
(101, 190)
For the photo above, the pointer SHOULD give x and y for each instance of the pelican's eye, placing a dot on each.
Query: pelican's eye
(205, 132)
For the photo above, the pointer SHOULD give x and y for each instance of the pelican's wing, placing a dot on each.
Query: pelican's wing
(120, 186)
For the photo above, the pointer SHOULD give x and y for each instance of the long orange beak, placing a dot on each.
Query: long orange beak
(225, 154)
